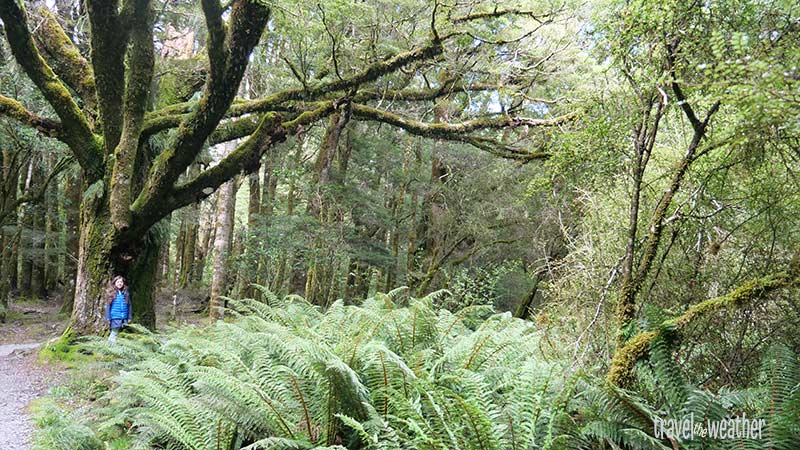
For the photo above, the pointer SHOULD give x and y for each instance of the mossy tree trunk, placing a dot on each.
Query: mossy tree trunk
(162, 273)
(204, 241)
(190, 228)
(102, 255)
(634, 274)
(189, 246)
(268, 184)
(95, 269)
(248, 240)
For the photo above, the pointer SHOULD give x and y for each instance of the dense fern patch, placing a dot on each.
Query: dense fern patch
(387, 374)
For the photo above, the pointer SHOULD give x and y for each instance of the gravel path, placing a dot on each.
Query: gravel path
(21, 380)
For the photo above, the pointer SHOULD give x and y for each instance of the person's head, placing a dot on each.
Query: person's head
(117, 283)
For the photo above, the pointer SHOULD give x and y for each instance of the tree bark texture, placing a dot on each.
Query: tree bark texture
(226, 202)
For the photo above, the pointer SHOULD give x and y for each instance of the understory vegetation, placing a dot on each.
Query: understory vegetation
(394, 372)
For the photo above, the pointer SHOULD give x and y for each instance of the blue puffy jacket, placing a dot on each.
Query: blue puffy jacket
(120, 307)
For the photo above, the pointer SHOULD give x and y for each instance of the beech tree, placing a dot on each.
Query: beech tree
(100, 101)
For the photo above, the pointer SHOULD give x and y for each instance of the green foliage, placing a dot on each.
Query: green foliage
(61, 430)
(283, 374)
(62, 349)
(479, 286)
(393, 373)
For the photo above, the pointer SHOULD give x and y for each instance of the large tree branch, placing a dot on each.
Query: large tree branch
(247, 20)
(174, 115)
(460, 131)
(65, 58)
(622, 370)
(137, 89)
(217, 53)
(443, 129)
(245, 159)
(415, 95)
(109, 39)
(76, 132)
(496, 12)
(15, 110)
(309, 93)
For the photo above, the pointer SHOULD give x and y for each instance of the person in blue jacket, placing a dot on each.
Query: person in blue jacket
(118, 306)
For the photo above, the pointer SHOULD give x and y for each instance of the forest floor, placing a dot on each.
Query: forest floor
(23, 378)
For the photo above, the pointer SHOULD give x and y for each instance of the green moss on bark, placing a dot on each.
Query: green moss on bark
(621, 372)
(623, 365)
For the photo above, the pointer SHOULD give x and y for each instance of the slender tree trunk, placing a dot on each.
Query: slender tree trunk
(162, 272)
(250, 237)
(72, 202)
(432, 228)
(226, 201)
(26, 238)
(239, 275)
(52, 248)
(179, 242)
(320, 203)
(204, 241)
(190, 218)
(189, 246)
(290, 262)
(37, 236)
(37, 251)
(269, 184)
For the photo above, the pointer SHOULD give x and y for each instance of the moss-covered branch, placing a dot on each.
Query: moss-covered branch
(309, 93)
(416, 95)
(623, 365)
(461, 131)
(109, 39)
(247, 21)
(76, 132)
(444, 130)
(245, 158)
(495, 13)
(217, 53)
(17, 111)
(173, 115)
(271, 129)
(137, 90)
(65, 58)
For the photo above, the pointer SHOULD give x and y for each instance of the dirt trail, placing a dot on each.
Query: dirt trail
(21, 380)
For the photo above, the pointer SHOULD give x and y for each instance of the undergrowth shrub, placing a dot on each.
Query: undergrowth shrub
(393, 373)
